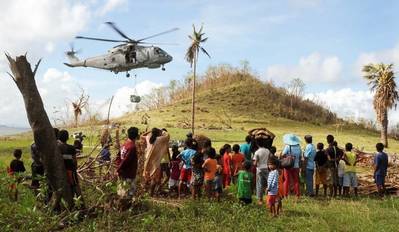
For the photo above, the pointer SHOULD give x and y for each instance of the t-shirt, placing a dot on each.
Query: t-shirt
(334, 153)
(246, 150)
(351, 158)
(210, 172)
(105, 155)
(226, 163)
(341, 168)
(128, 164)
(17, 166)
(295, 151)
(237, 159)
(197, 160)
(175, 169)
(186, 156)
(381, 161)
(272, 183)
(261, 157)
(244, 184)
(320, 158)
(309, 154)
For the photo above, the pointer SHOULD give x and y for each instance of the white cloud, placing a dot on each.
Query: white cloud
(385, 56)
(110, 5)
(310, 68)
(348, 103)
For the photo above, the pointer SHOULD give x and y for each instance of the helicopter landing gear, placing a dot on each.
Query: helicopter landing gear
(163, 68)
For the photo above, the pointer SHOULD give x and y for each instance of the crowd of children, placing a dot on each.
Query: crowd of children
(253, 167)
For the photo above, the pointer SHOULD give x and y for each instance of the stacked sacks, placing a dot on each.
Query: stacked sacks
(261, 133)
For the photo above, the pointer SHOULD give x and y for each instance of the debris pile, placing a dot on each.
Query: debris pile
(366, 174)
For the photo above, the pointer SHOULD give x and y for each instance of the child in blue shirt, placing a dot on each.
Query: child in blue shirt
(272, 186)
(380, 168)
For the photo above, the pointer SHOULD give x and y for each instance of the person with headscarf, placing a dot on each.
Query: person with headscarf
(157, 145)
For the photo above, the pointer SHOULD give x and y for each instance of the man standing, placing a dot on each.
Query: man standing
(260, 160)
(127, 167)
(380, 168)
(334, 155)
(68, 153)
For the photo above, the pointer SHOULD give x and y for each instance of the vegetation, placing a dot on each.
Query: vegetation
(381, 79)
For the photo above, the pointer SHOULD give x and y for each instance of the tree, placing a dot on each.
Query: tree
(296, 89)
(43, 132)
(78, 105)
(192, 58)
(381, 80)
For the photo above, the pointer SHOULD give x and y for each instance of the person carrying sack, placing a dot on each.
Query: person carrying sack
(291, 155)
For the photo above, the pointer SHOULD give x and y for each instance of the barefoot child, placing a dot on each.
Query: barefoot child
(350, 178)
(380, 168)
(174, 170)
(210, 168)
(16, 168)
(244, 184)
(272, 186)
(321, 169)
(237, 159)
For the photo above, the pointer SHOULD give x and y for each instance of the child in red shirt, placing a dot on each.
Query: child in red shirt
(237, 162)
(226, 160)
(174, 169)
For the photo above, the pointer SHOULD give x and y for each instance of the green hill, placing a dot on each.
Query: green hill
(230, 101)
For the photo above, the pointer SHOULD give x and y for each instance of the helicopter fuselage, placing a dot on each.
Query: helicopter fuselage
(124, 58)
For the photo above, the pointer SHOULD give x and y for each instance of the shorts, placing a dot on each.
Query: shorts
(210, 184)
(185, 175)
(321, 175)
(218, 184)
(350, 180)
(271, 200)
(173, 183)
(197, 177)
(341, 180)
(379, 180)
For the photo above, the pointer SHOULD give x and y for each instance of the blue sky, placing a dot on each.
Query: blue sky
(322, 42)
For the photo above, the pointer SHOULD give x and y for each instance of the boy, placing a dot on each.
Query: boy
(321, 168)
(244, 184)
(237, 159)
(210, 168)
(380, 168)
(174, 169)
(16, 167)
(350, 178)
(341, 172)
(197, 177)
(245, 148)
(272, 186)
(186, 171)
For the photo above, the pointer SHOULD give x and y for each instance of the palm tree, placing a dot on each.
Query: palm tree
(381, 79)
(192, 58)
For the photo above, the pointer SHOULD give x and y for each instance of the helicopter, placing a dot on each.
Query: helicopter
(131, 54)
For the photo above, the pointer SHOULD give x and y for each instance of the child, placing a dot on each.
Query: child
(280, 189)
(16, 167)
(197, 177)
(350, 178)
(226, 162)
(272, 186)
(380, 168)
(341, 172)
(210, 168)
(244, 184)
(219, 175)
(237, 162)
(321, 168)
(174, 166)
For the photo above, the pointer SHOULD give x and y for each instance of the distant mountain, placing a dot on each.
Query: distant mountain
(6, 130)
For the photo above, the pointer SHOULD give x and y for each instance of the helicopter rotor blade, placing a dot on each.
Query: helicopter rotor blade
(113, 26)
(158, 34)
(172, 44)
(100, 39)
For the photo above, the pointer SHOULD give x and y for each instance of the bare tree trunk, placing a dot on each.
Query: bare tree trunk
(193, 100)
(43, 132)
(76, 119)
(384, 129)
